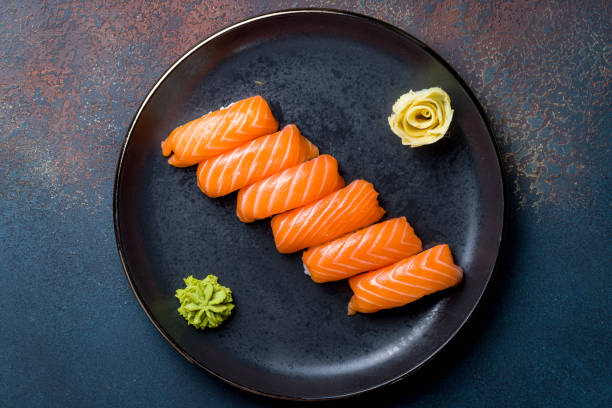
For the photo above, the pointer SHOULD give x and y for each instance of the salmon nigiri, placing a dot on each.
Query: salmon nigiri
(254, 161)
(367, 249)
(289, 189)
(219, 131)
(405, 281)
(353, 207)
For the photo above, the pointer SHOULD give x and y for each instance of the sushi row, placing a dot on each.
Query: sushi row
(280, 174)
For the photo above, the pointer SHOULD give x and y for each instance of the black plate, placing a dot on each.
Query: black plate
(335, 75)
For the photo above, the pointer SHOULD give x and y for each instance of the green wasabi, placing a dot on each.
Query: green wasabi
(205, 303)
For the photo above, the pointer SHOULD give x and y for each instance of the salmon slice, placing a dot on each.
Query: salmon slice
(219, 131)
(405, 281)
(367, 249)
(353, 207)
(254, 161)
(289, 189)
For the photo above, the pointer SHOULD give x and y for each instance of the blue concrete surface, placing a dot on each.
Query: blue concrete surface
(73, 75)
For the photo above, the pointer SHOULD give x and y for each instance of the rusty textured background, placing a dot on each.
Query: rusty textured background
(72, 75)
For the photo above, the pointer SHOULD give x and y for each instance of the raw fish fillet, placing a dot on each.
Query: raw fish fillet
(254, 161)
(219, 131)
(405, 281)
(367, 249)
(353, 207)
(289, 189)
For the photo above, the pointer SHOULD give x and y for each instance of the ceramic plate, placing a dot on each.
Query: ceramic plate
(335, 75)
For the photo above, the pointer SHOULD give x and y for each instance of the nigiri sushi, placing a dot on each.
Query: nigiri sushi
(367, 249)
(353, 207)
(219, 131)
(254, 161)
(405, 281)
(289, 189)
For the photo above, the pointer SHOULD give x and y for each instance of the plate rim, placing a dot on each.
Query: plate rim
(315, 11)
